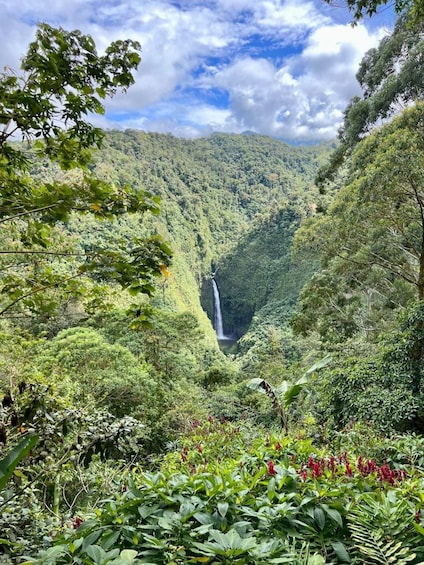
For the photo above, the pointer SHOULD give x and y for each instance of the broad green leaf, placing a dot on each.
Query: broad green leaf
(319, 518)
(341, 551)
(14, 457)
(334, 514)
(128, 555)
(97, 554)
(319, 364)
(223, 508)
(316, 560)
(90, 539)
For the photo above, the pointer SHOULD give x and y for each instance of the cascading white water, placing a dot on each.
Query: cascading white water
(219, 328)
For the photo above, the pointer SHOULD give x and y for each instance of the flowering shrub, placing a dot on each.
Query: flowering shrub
(341, 466)
(229, 494)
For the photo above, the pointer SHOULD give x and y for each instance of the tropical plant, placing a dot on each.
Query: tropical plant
(275, 499)
(9, 463)
(283, 396)
(64, 78)
(370, 239)
(381, 529)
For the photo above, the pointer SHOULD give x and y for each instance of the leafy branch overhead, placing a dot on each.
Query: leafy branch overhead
(44, 117)
(391, 78)
(369, 8)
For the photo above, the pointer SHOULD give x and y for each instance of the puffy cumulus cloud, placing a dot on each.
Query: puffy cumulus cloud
(174, 43)
(304, 99)
(288, 15)
(279, 15)
(19, 19)
(285, 67)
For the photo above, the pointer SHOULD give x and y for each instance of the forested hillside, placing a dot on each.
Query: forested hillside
(127, 435)
(219, 195)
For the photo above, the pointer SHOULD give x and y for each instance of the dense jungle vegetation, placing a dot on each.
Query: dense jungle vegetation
(127, 435)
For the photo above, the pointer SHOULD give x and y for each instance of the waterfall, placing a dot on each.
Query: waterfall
(219, 328)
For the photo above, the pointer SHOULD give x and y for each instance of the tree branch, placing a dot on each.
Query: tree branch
(36, 291)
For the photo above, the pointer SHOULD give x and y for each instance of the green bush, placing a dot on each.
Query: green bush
(103, 374)
(230, 495)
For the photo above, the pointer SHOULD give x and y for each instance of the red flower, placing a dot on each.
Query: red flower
(316, 471)
(271, 468)
(77, 522)
(277, 446)
(348, 471)
(303, 474)
(311, 461)
(331, 464)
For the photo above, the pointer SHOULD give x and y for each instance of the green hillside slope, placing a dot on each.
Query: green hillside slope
(230, 203)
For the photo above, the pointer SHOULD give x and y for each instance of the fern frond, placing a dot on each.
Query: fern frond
(373, 545)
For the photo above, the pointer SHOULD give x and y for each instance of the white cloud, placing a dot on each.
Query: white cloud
(193, 47)
(288, 15)
(303, 99)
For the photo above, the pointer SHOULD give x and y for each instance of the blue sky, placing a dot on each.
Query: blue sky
(284, 68)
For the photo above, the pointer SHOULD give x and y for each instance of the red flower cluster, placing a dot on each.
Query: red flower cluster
(77, 521)
(366, 467)
(392, 476)
(314, 468)
(271, 468)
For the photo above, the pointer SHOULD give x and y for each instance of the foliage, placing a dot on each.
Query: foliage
(108, 396)
(275, 500)
(380, 386)
(376, 525)
(64, 79)
(360, 390)
(390, 77)
(370, 239)
(14, 457)
(362, 8)
(61, 470)
(91, 371)
(283, 396)
(249, 276)
(215, 196)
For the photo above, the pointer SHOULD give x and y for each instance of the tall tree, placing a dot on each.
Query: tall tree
(391, 77)
(64, 79)
(373, 234)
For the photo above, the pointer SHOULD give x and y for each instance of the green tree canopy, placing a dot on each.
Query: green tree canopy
(64, 80)
(391, 77)
(371, 240)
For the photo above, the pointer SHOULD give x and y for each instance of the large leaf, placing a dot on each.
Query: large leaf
(14, 457)
(292, 393)
(318, 365)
